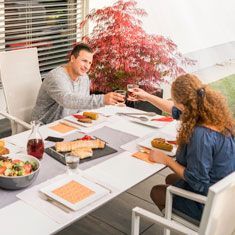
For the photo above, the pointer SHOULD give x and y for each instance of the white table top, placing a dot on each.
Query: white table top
(121, 171)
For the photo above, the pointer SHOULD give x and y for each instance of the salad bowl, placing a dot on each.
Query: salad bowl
(18, 171)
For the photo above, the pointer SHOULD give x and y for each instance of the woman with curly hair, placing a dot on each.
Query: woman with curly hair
(206, 144)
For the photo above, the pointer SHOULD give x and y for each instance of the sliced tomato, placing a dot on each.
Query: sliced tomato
(171, 142)
(163, 119)
(87, 137)
(27, 168)
(15, 161)
(2, 170)
(79, 116)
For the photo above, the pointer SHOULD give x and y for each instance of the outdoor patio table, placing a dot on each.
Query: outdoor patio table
(119, 171)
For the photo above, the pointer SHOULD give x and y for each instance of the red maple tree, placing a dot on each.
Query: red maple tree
(125, 53)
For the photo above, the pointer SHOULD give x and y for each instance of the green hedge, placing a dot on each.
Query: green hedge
(227, 87)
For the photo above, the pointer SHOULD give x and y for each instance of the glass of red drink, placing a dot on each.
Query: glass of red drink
(130, 89)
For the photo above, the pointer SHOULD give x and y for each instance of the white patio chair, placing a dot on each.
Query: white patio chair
(218, 215)
(21, 80)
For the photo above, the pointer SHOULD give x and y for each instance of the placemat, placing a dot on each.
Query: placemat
(62, 128)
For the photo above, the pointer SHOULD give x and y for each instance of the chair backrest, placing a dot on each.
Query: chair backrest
(219, 212)
(21, 80)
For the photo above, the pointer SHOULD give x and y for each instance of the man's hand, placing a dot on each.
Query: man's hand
(113, 98)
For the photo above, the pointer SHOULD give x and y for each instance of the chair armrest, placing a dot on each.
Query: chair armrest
(15, 119)
(187, 194)
(173, 226)
(172, 190)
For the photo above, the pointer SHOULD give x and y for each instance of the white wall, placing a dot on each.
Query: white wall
(192, 24)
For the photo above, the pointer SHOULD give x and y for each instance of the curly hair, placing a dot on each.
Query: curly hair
(202, 106)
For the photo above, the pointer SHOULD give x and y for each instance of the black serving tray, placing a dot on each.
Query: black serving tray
(97, 153)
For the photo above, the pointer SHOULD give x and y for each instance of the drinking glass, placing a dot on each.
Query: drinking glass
(72, 163)
(130, 88)
(123, 93)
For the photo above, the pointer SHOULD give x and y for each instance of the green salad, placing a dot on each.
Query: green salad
(16, 167)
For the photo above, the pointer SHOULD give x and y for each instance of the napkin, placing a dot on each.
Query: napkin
(73, 192)
(163, 119)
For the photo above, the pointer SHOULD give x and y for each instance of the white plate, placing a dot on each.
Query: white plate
(13, 148)
(147, 143)
(155, 124)
(94, 122)
(99, 191)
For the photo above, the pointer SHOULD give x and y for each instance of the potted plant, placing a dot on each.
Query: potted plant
(125, 53)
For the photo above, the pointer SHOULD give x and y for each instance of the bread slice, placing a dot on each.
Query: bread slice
(82, 152)
(2, 143)
(161, 144)
(91, 115)
(84, 120)
(4, 151)
(70, 146)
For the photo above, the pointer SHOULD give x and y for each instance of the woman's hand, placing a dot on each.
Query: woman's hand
(138, 94)
(158, 157)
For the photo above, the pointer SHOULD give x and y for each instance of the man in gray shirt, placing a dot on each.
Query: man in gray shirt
(66, 89)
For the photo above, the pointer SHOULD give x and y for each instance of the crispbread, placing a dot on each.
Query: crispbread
(73, 192)
(70, 146)
(82, 152)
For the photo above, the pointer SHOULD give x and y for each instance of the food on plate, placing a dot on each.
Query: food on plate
(82, 152)
(69, 146)
(73, 192)
(87, 137)
(16, 167)
(86, 117)
(144, 149)
(84, 120)
(161, 143)
(4, 151)
(91, 115)
(172, 142)
(2, 143)
(163, 119)
(79, 116)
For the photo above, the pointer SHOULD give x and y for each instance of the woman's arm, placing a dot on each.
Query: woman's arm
(176, 167)
(164, 105)
(160, 157)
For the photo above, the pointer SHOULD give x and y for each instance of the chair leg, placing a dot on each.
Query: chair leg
(13, 127)
(135, 224)
(168, 209)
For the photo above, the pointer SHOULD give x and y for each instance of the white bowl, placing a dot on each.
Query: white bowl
(19, 182)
